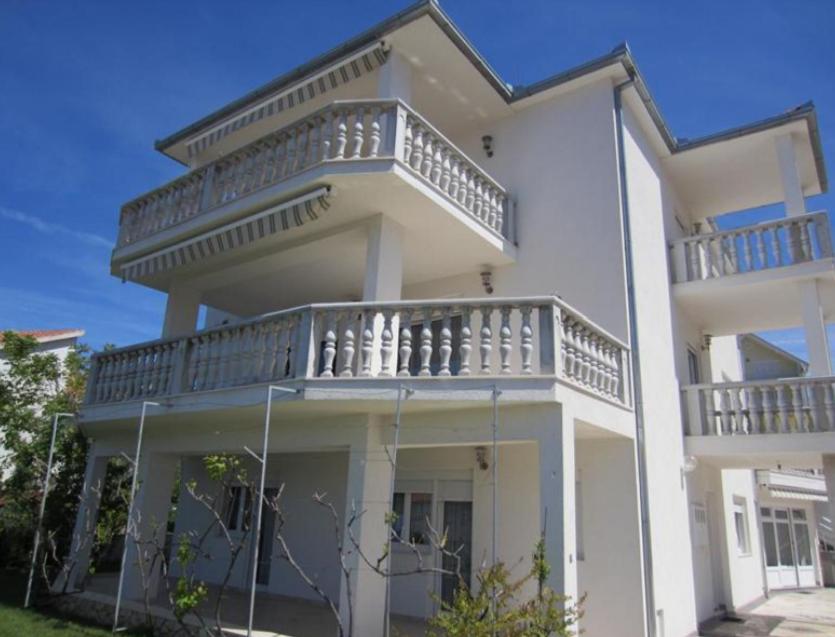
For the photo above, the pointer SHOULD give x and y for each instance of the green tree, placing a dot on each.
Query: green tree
(33, 388)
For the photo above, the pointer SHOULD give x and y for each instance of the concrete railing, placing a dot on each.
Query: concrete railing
(353, 131)
(787, 405)
(764, 246)
(416, 339)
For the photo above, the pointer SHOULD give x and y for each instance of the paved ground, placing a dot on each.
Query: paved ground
(790, 614)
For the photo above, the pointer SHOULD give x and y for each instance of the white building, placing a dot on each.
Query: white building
(394, 214)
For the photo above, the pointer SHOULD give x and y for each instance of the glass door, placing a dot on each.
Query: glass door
(788, 549)
(458, 523)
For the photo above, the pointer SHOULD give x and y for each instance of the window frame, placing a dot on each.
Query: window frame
(406, 518)
(743, 544)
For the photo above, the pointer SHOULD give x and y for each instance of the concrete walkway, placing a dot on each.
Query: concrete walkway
(808, 613)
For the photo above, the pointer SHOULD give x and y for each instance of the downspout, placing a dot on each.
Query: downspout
(635, 358)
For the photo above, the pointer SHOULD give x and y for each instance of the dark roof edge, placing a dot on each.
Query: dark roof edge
(328, 58)
(805, 111)
(620, 54)
(377, 32)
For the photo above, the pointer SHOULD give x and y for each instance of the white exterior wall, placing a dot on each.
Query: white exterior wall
(557, 158)
(649, 203)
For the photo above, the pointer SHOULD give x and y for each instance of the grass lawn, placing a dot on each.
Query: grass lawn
(17, 622)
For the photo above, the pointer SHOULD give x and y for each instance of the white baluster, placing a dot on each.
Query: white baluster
(367, 341)
(486, 339)
(374, 141)
(405, 342)
(526, 340)
(387, 345)
(341, 134)
(453, 179)
(466, 347)
(446, 168)
(348, 345)
(407, 141)
(428, 156)
(445, 346)
(426, 343)
(417, 149)
(327, 135)
(329, 351)
(359, 133)
(505, 340)
(437, 165)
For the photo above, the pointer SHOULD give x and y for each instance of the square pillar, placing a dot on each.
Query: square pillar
(150, 518)
(814, 328)
(367, 491)
(181, 310)
(81, 545)
(789, 176)
(557, 477)
(829, 477)
(395, 78)
(384, 261)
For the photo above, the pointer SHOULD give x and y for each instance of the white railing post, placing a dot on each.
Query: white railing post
(205, 200)
(92, 380)
(550, 338)
(680, 262)
(695, 413)
(305, 346)
(178, 383)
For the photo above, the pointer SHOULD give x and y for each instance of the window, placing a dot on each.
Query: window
(743, 543)
(238, 512)
(412, 517)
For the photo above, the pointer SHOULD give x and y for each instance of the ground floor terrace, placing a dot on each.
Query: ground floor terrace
(491, 492)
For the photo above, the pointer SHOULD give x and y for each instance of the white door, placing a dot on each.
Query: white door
(703, 571)
(788, 548)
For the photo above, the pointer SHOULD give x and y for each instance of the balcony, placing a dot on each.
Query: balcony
(458, 349)
(324, 172)
(784, 421)
(729, 281)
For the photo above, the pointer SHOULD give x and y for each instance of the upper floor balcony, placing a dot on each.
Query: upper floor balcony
(745, 279)
(319, 175)
(783, 422)
(453, 351)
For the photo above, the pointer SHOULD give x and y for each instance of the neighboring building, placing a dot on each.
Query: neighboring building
(394, 214)
(56, 342)
(762, 360)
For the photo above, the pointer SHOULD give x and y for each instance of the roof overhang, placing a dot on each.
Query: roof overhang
(730, 170)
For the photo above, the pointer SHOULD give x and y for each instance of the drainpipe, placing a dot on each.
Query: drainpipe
(635, 356)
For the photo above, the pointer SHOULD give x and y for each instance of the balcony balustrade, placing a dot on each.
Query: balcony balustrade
(345, 132)
(783, 242)
(784, 406)
(409, 340)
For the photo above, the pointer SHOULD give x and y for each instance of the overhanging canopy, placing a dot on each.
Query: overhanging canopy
(354, 67)
(279, 218)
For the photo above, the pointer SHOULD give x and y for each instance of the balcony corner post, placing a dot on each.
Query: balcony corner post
(179, 384)
(694, 425)
(305, 357)
(206, 193)
(92, 381)
(680, 262)
(550, 334)
(398, 131)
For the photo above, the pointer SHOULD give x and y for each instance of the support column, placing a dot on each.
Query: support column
(367, 492)
(792, 188)
(83, 537)
(384, 261)
(395, 78)
(814, 328)
(181, 311)
(829, 477)
(150, 515)
(557, 477)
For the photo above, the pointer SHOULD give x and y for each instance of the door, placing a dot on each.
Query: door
(788, 548)
(702, 566)
(458, 523)
(266, 541)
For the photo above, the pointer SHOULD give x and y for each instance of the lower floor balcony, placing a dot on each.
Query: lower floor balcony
(784, 422)
(533, 349)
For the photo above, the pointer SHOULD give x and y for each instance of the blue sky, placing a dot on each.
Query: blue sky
(86, 87)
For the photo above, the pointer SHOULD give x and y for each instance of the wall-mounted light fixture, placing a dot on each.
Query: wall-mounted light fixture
(481, 458)
(487, 144)
(487, 281)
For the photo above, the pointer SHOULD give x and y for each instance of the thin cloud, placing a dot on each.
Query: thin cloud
(46, 227)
